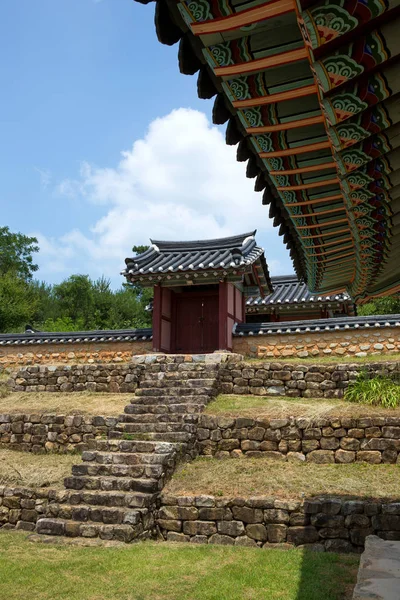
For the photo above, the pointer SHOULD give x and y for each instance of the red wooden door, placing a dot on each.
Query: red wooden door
(196, 323)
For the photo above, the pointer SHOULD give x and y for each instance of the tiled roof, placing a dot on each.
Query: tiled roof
(227, 255)
(289, 290)
(76, 337)
(317, 325)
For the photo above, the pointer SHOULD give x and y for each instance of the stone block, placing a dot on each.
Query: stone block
(321, 456)
(224, 540)
(302, 535)
(199, 528)
(277, 533)
(232, 528)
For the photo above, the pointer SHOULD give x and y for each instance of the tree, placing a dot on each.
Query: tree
(16, 250)
(17, 303)
(140, 249)
(387, 305)
(75, 299)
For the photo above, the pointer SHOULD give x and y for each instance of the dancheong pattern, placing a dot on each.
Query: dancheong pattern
(310, 91)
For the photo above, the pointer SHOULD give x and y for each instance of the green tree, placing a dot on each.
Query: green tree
(75, 299)
(16, 250)
(17, 303)
(387, 305)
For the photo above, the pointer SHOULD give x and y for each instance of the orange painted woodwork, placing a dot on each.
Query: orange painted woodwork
(259, 64)
(326, 224)
(298, 150)
(299, 92)
(319, 213)
(334, 251)
(243, 18)
(322, 234)
(321, 167)
(306, 186)
(317, 200)
(288, 125)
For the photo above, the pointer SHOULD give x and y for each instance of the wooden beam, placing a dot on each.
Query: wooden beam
(316, 201)
(333, 243)
(318, 235)
(307, 186)
(326, 224)
(317, 214)
(298, 150)
(243, 18)
(284, 58)
(334, 251)
(310, 169)
(306, 90)
(295, 124)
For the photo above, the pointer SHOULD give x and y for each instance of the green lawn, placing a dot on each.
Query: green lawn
(161, 571)
(257, 407)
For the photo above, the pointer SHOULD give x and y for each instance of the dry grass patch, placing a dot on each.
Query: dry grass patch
(67, 403)
(265, 477)
(281, 406)
(328, 360)
(35, 470)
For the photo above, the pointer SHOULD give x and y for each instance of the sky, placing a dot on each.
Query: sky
(104, 144)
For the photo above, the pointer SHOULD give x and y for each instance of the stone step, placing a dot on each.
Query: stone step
(177, 383)
(106, 498)
(92, 469)
(127, 484)
(155, 427)
(151, 418)
(127, 458)
(90, 529)
(103, 514)
(165, 437)
(175, 391)
(178, 375)
(161, 409)
(133, 446)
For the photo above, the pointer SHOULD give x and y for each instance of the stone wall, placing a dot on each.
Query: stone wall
(20, 507)
(41, 354)
(383, 340)
(52, 433)
(331, 524)
(297, 380)
(76, 378)
(322, 440)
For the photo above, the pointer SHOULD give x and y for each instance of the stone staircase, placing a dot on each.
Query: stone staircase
(112, 493)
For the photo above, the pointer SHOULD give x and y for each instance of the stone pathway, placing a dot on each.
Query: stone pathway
(379, 573)
(112, 493)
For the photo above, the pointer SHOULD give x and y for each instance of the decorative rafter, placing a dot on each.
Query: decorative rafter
(311, 93)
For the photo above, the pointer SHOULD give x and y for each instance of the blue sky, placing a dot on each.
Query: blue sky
(84, 81)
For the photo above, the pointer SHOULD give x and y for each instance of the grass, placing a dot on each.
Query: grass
(370, 358)
(258, 407)
(80, 403)
(377, 391)
(286, 480)
(35, 470)
(164, 571)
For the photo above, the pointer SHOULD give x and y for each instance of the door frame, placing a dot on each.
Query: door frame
(198, 295)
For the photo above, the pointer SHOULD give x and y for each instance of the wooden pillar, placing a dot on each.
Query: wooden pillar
(222, 315)
(157, 315)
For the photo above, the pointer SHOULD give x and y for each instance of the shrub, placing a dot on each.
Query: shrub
(376, 391)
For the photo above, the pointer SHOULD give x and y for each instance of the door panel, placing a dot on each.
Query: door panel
(196, 323)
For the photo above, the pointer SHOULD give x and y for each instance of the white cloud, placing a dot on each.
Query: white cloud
(180, 182)
(45, 177)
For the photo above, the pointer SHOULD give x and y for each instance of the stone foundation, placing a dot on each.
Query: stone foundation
(113, 378)
(323, 524)
(42, 354)
(374, 341)
(52, 433)
(323, 440)
(20, 507)
(297, 380)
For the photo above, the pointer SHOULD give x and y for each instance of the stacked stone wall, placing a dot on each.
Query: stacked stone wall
(326, 524)
(362, 342)
(265, 378)
(52, 433)
(374, 439)
(21, 507)
(89, 353)
(113, 378)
